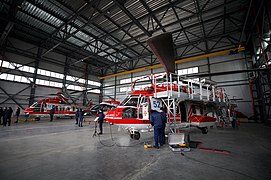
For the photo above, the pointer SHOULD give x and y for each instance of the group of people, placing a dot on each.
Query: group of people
(158, 120)
(79, 117)
(6, 114)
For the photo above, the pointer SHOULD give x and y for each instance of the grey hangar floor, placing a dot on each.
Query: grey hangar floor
(62, 150)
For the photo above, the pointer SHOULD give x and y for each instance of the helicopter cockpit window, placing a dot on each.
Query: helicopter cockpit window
(130, 101)
(124, 101)
(34, 104)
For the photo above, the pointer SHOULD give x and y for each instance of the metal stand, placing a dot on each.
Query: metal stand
(95, 130)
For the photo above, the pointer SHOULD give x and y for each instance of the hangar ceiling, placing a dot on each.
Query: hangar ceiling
(110, 35)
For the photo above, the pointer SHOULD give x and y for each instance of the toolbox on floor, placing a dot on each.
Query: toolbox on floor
(178, 142)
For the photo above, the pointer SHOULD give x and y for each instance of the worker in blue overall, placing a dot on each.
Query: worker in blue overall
(164, 121)
(157, 122)
(101, 120)
(52, 112)
(81, 118)
(76, 116)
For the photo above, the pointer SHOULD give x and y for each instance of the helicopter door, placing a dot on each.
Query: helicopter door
(144, 108)
(43, 107)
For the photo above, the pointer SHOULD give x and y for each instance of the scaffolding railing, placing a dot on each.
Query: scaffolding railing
(177, 86)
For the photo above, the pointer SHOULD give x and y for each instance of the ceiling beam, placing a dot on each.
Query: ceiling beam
(13, 9)
(134, 20)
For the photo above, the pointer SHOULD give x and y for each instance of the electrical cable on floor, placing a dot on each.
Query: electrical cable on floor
(202, 162)
(105, 144)
(112, 138)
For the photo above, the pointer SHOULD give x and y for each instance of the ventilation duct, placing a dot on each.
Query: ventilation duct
(162, 48)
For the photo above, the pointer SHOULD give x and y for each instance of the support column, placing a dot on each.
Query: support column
(33, 84)
(209, 67)
(101, 88)
(65, 74)
(115, 90)
(85, 86)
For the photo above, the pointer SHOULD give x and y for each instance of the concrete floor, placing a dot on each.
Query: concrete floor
(61, 150)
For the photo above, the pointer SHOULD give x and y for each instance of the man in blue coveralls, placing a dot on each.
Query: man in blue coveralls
(157, 121)
(101, 120)
(164, 121)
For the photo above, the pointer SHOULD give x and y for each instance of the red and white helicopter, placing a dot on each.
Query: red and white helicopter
(187, 103)
(63, 108)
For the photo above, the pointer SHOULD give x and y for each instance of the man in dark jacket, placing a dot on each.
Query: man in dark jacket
(1, 115)
(76, 116)
(17, 114)
(157, 121)
(100, 121)
(8, 115)
(52, 112)
(5, 116)
(81, 118)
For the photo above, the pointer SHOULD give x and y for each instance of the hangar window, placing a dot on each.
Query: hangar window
(95, 91)
(123, 81)
(24, 79)
(6, 64)
(141, 78)
(25, 68)
(39, 81)
(141, 87)
(41, 72)
(83, 81)
(192, 70)
(124, 89)
(10, 77)
(46, 83)
(11, 65)
(17, 78)
(31, 70)
(3, 76)
(94, 83)
(70, 78)
(52, 83)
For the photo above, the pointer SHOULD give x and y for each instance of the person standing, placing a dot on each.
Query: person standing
(81, 118)
(1, 115)
(157, 122)
(76, 116)
(101, 120)
(234, 119)
(17, 114)
(5, 116)
(164, 121)
(8, 115)
(52, 112)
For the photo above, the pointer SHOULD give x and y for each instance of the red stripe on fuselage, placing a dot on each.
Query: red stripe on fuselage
(127, 121)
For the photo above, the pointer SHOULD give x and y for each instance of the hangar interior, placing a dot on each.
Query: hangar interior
(91, 50)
